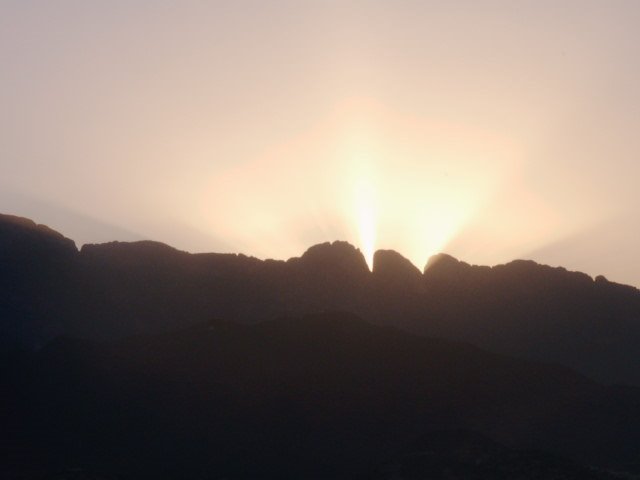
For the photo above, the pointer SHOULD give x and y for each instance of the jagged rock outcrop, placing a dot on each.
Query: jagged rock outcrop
(391, 268)
(23, 240)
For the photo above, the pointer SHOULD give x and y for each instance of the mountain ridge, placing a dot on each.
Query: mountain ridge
(117, 289)
(338, 249)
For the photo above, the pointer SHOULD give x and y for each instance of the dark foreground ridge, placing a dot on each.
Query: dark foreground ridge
(49, 288)
(322, 396)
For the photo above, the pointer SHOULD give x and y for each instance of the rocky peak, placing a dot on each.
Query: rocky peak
(393, 267)
(336, 256)
(23, 236)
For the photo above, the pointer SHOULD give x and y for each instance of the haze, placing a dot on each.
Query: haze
(487, 130)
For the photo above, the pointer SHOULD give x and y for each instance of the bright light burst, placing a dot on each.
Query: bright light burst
(365, 175)
(366, 218)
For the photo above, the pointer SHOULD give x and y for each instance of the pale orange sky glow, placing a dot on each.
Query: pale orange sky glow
(373, 177)
(490, 130)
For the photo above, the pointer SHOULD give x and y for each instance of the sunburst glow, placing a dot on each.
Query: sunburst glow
(366, 218)
(367, 175)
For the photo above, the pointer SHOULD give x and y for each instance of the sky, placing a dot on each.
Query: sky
(489, 130)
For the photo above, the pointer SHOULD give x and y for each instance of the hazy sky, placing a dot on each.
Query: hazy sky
(490, 130)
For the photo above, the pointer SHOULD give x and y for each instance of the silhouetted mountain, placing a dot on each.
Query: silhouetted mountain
(323, 396)
(34, 262)
(117, 289)
(541, 312)
(21, 236)
(393, 270)
(335, 260)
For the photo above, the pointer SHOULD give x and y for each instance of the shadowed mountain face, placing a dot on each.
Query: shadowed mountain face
(465, 455)
(117, 289)
(324, 396)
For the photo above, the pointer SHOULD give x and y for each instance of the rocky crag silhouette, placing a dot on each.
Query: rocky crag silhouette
(107, 291)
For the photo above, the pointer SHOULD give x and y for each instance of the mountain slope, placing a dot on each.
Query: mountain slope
(323, 396)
